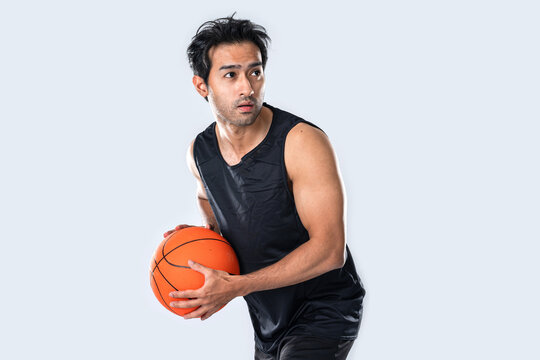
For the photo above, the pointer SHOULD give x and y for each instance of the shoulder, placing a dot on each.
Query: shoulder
(191, 160)
(201, 149)
(206, 135)
(189, 153)
(304, 139)
(308, 149)
(203, 146)
(303, 131)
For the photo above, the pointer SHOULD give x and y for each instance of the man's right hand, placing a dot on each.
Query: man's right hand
(183, 226)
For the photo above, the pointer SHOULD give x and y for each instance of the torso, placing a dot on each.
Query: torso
(256, 213)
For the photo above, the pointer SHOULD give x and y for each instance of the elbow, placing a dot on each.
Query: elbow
(339, 261)
(331, 252)
(338, 258)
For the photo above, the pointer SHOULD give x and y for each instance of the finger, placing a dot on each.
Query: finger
(185, 304)
(168, 233)
(183, 226)
(196, 313)
(209, 313)
(184, 294)
(198, 267)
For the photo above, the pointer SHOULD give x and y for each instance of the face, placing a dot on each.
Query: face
(236, 82)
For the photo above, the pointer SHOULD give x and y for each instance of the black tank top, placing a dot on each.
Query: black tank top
(256, 213)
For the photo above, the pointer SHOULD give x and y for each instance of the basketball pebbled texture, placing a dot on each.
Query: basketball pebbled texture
(169, 269)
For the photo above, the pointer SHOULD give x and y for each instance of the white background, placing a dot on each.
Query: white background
(433, 110)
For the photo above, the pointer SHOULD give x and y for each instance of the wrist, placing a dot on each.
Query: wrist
(243, 285)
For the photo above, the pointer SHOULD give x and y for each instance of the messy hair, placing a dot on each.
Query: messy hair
(223, 30)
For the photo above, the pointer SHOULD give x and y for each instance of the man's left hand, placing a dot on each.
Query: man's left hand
(216, 292)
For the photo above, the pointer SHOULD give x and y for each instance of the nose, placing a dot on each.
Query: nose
(244, 86)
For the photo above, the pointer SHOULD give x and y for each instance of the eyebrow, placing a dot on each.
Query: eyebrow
(226, 67)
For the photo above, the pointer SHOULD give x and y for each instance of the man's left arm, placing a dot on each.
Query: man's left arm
(319, 197)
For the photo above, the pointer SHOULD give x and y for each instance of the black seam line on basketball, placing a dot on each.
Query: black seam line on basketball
(166, 241)
(157, 267)
(159, 292)
(163, 255)
(182, 266)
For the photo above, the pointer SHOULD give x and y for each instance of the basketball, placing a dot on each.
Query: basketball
(169, 269)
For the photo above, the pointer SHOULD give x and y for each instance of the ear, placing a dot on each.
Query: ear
(200, 86)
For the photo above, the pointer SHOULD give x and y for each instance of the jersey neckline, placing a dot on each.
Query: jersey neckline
(273, 109)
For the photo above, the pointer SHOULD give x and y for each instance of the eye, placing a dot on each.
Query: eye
(256, 72)
(230, 75)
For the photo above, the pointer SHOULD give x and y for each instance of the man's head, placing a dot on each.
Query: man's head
(223, 30)
(228, 57)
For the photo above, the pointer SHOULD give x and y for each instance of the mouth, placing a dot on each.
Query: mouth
(246, 107)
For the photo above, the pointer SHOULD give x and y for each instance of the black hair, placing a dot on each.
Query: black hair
(223, 30)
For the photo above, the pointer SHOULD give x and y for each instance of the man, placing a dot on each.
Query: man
(269, 182)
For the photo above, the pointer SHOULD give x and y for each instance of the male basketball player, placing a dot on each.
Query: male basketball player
(269, 182)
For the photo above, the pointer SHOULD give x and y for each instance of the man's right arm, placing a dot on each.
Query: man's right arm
(209, 220)
(202, 199)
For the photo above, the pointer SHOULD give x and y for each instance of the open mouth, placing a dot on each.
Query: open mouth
(246, 107)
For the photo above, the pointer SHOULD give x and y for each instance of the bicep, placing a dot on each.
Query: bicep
(316, 183)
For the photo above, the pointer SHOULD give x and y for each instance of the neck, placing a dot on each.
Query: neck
(236, 141)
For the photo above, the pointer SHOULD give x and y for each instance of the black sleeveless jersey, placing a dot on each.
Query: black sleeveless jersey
(256, 213)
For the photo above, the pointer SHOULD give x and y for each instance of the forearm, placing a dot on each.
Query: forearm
(305, 262)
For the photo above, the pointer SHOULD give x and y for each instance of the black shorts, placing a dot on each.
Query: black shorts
(308, 348)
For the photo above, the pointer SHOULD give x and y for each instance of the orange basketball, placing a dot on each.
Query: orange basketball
(169, 269)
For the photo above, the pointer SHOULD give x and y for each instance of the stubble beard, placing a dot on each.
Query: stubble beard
(230, 114)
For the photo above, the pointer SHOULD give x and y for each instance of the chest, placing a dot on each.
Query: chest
(232, 158)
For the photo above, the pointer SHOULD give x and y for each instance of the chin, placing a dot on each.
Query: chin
(245, 122)
(247, 119)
